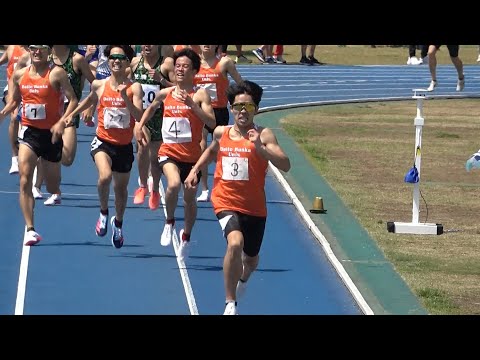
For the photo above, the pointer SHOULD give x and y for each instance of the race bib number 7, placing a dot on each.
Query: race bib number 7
(35, 111)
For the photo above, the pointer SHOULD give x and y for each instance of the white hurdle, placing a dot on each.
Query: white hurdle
(415, 227)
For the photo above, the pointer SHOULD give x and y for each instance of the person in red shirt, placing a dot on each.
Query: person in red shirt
(242, 152)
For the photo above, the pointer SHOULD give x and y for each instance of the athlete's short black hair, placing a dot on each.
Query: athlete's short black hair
(245, 87)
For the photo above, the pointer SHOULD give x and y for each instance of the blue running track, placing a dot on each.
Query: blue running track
(72, 271)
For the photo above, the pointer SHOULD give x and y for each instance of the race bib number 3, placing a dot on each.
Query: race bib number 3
(35, 111)
(149, 92)
(116, 118)
(234, 168)
(176, 130)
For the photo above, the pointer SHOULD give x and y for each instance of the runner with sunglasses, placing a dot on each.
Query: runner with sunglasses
(242, 152)
(41, 89)
(119, 106)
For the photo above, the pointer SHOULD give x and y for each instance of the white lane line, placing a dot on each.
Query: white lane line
(325, 244)
(192, 305)
(22, 278)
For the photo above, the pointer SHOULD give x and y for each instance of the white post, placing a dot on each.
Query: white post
(415, 227)
(418, 122)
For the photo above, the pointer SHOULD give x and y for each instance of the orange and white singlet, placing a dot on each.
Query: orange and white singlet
(12, 62)
(239, 179)
(212, 80)
(181, 131)
(195, 48)
(42, 103)
(115, 123)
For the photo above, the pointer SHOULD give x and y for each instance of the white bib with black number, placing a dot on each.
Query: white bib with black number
(116, 118)
(176, 130)
(149, 92)
(35, 111)
(234, 168)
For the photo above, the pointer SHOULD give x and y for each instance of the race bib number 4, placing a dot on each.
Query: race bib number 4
(149, 92)
(116, 118)
(176, 130)
(35, 111)
(234, 168)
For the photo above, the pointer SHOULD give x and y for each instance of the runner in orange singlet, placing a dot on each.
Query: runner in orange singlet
(242, 152)
(185, 113)
(41, 90)
(13, 54)
(213, 77)
(119, 106)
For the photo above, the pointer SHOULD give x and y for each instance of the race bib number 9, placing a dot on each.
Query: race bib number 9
(176, 130)
(35, 111)
(116, 118)
(234, 168)
(149, 92)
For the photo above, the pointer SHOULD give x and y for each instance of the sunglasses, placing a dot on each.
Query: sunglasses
(117, 57)
(38, 47)
(249, 107)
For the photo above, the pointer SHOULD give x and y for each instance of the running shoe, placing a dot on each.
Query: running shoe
(184, 247)
(55, 199)
(31, 238)
(102, 225)
(231, 308)
(117, 235)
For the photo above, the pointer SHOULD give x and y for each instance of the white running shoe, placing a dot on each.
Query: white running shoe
(31, 238)
(37, 194)
(184, 246)
(230, 308)
(14, 167)
(413, 61)
(433, 85)
(241, 288)
(203, 196)
(55, 199)
(167, 234)
(460, 84)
